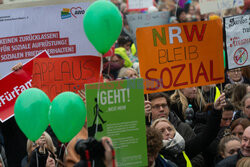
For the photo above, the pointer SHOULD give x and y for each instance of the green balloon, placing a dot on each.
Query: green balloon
(102, 25)
(31, 112)
(67, 115)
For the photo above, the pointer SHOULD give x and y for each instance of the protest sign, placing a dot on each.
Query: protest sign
(13, 85)
(138, 5)
(25, 32)
(182, 55)
(208, 6)
(146, 20)
(111, 52)
(116, 109)
(237, 31)
(56, 75)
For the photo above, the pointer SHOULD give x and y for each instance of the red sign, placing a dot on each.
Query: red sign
(13, 85)
(111, 52)
(56, 75)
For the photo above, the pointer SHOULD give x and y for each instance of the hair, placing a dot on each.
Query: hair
(122, 40)
(154, 141)
(228, 107)
(49, 142)
(123, 72)
(224, 141)
(247, 96)
(243, 162)
(163, 120)
(178, 96)
(244, 122)
(153, 96)
(239, 92)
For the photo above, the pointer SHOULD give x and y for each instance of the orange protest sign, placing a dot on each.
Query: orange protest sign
(57, 75)
(176, 56)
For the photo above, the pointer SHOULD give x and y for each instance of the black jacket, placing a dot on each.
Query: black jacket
(230, 161)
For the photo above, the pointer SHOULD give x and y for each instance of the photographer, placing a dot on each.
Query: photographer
(101, 152)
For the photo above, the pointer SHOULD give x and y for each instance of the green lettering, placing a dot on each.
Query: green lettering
(157, 35)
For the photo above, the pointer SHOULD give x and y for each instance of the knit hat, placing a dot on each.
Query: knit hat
(122, 52)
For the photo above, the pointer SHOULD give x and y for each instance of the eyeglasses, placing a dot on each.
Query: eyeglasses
(235, 71)
(158, 106)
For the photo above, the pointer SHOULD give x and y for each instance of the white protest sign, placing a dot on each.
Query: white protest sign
(134, 5)
(27, 31)
(237, 29)
(145, 20)
(208, 6)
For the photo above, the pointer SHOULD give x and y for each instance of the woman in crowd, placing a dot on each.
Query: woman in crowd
(245, 107)
(127, 73)
(181, 99)
(174, 147)
(154, 145)
(239, 92)
(43, 154)
(238, 126)
(228, 146)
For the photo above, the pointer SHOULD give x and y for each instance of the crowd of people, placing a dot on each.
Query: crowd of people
(215, 133)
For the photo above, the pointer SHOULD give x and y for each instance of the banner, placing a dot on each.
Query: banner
(138, 5)
(208, 6)
(25, 32)
(176, 56)
(116, 109)
(13, 85)
(57, 75)
(145, 20)
(237, 31)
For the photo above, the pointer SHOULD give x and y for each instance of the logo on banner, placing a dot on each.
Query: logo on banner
(76, 11)
(240, 56)
(65, 13)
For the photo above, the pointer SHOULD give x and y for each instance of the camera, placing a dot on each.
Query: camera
(90, 150)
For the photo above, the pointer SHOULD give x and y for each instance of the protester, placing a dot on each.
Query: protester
(127, 73)
(246, 106)
(181, 99)
(228, 146)
(243, 152)
(174, 144)
(239, 92)
(154, 145)
(70, 156)
(44, 154)
(234, 76)
(158, 107)
(238, 126)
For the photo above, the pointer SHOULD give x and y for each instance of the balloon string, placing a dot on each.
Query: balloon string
(98, 91)
(60, 152)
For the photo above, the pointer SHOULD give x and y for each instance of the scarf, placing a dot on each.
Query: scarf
(175, 145)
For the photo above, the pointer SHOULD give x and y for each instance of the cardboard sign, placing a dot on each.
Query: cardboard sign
(116, 109)
(145, 20)
(138, 5)
(13, 85)
(111, 52)
(237, 30)
(208, 6)
(57, 75)
(183, 55)
(25, 32)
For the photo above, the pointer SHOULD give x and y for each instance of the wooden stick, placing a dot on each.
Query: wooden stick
(149, 116)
